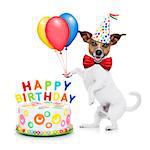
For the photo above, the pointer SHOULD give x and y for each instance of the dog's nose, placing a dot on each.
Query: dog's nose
(98, 52)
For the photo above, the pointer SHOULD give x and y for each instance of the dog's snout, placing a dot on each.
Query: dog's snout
(98, 52)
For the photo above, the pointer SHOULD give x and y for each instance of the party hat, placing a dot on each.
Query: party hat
(103, 31)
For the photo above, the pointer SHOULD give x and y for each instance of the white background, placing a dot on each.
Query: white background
(24, 57)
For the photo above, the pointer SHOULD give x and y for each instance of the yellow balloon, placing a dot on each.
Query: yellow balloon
(41, 31)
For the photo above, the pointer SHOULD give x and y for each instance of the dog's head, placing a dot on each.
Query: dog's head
(97, 49)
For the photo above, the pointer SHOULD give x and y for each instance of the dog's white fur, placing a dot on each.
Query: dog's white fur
(100, 86)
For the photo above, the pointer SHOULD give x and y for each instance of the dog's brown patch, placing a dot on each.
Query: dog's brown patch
(93, 45)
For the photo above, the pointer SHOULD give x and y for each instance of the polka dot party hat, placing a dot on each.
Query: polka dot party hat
(103, 32)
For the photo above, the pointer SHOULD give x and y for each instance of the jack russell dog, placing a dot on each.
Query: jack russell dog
(99, 83)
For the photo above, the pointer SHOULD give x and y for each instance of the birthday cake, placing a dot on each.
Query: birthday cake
(44, 119)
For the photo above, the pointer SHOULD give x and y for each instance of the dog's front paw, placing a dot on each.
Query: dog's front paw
(67, 75)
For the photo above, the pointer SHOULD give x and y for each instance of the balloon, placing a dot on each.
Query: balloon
(73, 26)
(57, 32)
(41, 31)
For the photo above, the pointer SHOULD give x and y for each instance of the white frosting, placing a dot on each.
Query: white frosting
(44, 117)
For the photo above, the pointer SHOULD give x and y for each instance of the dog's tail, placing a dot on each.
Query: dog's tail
(138, 96)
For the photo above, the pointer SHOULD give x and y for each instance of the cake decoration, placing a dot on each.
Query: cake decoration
(48, 121)
(45, 91)
(44, 117)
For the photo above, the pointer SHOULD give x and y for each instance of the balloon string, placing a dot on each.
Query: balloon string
(60, 61)
(63, 63)
(66, 61)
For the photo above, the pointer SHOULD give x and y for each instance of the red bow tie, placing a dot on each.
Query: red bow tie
(89, 61)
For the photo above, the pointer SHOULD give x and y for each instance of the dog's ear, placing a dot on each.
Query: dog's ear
(114, 38)
(86, 36)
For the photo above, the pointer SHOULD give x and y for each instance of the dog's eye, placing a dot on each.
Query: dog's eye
(93, 43)
(105, 45)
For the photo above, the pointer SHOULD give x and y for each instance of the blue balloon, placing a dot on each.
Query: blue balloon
(73, 26)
